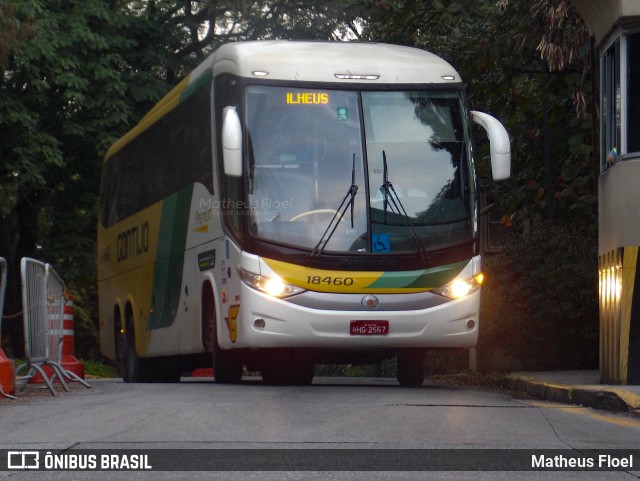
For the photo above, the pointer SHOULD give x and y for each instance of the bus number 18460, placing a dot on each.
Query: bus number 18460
(330, 280)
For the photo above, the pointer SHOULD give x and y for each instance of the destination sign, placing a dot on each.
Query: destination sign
(307, 98)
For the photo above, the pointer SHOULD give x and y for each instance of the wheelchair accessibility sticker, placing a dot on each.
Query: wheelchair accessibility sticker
(380, 243)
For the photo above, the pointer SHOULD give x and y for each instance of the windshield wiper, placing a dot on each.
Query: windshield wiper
(347, 201)
(390, 199)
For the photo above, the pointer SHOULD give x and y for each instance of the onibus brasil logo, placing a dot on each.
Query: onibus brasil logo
(36, 460)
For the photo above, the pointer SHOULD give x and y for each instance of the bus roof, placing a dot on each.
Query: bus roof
(324, 61)
(305, 61)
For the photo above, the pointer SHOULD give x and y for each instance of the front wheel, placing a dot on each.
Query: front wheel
(227, 367)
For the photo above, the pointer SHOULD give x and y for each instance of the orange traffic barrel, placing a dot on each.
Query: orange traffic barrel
(7, 374)
(69, 361)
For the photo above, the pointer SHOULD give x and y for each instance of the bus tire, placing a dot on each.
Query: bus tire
(227, 368)
(133, 368)
(410, 368)
(120, 344)
(132, 365)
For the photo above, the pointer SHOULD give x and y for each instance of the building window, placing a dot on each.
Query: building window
(611, 106)
(633, 93)
(620, 100)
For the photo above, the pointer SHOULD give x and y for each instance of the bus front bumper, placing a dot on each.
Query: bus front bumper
(265, 322)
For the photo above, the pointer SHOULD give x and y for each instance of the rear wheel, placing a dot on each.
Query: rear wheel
(120, 345)
(128, 361)
(410, 371)
(133, 368)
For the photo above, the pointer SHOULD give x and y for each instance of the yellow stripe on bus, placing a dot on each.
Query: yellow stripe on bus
(377, 282)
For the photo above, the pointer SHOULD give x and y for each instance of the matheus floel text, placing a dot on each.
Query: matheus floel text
(603, 461)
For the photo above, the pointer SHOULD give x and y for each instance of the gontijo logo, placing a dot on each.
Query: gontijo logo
(132, 242)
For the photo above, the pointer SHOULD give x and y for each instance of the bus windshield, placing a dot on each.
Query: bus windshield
(390, 168)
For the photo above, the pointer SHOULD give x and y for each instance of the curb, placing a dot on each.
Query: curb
(608, 398)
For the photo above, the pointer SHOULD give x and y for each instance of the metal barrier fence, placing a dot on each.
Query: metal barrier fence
(43, 300)
(55, 312)
(57, 300)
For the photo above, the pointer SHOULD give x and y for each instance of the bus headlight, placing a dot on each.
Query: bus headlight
(460, 287)
(273, 286)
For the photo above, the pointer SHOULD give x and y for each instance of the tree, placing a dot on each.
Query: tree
(62, 101)
(561, 42)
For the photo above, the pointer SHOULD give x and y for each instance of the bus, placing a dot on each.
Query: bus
(295, 203)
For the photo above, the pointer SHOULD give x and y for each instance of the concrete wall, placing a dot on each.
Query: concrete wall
(602, 15)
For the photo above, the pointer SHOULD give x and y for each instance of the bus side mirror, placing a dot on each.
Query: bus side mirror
(499, 145)
(231, 142)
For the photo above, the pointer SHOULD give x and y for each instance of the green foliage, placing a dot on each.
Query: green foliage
(553, 181)
(539, 305)
(85, 330)
(99, 369)
(62, 103)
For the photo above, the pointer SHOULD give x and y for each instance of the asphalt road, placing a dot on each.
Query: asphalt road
(334, 413)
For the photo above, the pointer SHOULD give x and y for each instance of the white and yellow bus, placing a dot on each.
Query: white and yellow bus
(294, 203)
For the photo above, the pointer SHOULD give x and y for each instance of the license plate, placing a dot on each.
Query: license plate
(369, 328)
